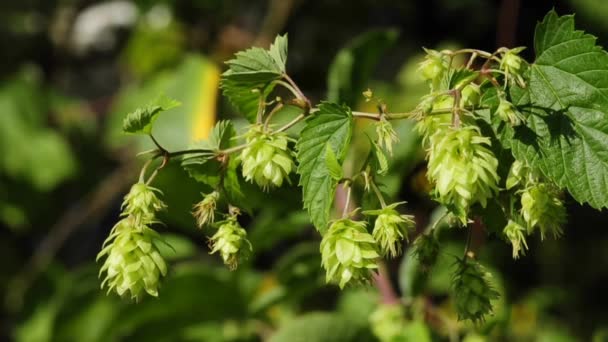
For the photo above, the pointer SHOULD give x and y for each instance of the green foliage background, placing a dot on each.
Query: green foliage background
(64, 166)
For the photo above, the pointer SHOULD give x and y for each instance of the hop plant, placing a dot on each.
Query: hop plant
(230, 241)
(133, 264)
(541, 207)
(472, 290)
(348, 252)
(267, 159)
(463, 169)
(204, 211)
(142, 202)
(515, 233)
(426, 250)
(508, 113)
(470, 95)
(390, 229)
(386, 135)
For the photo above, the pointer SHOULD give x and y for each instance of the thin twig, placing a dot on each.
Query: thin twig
(292, 123)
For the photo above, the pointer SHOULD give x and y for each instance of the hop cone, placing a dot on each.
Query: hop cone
(463, 169)
(267, 160)
(515, 232)
(472, 291)
(133, 264)
(390, 229)
(508, 113)
(142, 202)
(432, 68)
(230, 241)
(348, 252)
(204, 211)
(541, 207)
(386, 135)
(426, 250)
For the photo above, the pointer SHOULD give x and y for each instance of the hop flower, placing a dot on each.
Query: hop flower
(142, 202)
(426, 250)
(433, 66)
(267, 160)
(472, 291)
(517, 174)
(541, 207)
(348, 252)
(513, 65)
(508, 113)
(231, 242)
(390, 229)
(204, 211)
(515, 232)
(470, 95)
(386, 134)
(463, 169)
(133, 264)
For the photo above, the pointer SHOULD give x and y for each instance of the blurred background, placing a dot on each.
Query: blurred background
(71, 69)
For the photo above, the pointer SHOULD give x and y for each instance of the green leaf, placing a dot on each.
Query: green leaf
(334, 167)
(222, 135)
(250, 74)
(142, 119)
(321, 327)
(566, 136)
(332, 125)
(353, 66)
(378, 161)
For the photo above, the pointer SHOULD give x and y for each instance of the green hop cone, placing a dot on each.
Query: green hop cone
(142, 202)
(267, 159)
(433, 66)
(518, 173)
(348, 252)
(542, 207)
(230, 241)
(390, 229)
(204, 211)
(472, 290)
(470, 95)
(508, 113)
(516, 234)
(462, 168)
(386, 135)
(426, 250)
(133, 264)
(513, 65)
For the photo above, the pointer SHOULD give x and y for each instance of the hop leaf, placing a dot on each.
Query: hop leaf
(204, 211)
(267, 159)
(472, 291)
(348, 252)
(141, 120)
(541, 207)
(463, 169)
(133, 264)
(515, 232)
(142, 203)
(230, 241)
(390, 229)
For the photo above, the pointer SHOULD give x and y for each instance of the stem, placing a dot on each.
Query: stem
(162, 149)
(233, 149)
(193, 151)
(299, 94)
(142, 173)
(383, 283)
(272, 112)
(468, 243)
(365, 115)
(261, 107)
(378, 194)
(291, 123)
(347, 203)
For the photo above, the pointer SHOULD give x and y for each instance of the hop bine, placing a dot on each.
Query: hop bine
(267, 159)
(391, 228)
(348, 252)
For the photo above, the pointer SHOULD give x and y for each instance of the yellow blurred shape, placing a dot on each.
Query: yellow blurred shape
(204, 115)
